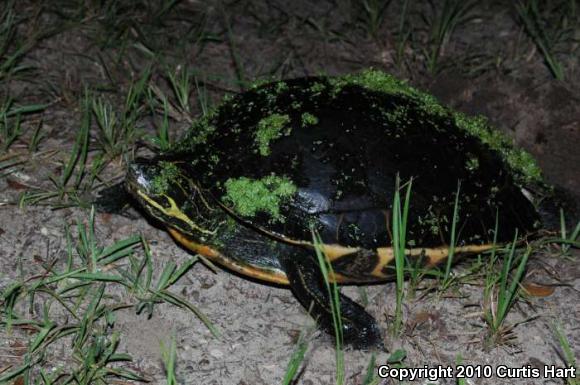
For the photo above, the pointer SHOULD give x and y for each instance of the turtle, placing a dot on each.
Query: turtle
(290, 168)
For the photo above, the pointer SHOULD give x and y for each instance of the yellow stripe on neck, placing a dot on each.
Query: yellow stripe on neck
(174, 212)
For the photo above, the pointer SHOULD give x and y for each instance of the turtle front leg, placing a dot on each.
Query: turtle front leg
(359, 328)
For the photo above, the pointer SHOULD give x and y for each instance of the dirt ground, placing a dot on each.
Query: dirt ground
(489, 65)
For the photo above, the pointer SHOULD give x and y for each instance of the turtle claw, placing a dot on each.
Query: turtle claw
(365, 338)
(359, 329)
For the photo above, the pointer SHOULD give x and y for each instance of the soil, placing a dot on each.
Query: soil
(488, 66)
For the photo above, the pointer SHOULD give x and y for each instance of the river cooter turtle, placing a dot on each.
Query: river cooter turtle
(250, 182)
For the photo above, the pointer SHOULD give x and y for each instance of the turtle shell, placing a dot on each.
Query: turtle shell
(326, 153)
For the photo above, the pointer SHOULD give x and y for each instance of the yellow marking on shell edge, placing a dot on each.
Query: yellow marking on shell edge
(385, 257)
(439, 254)
(334, 252)
(435, 256)
(173, 211)
(213, 255)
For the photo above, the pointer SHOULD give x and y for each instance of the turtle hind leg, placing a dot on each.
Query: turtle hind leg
(359, 328)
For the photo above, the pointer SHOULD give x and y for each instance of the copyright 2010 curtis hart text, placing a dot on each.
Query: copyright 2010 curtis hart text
(434, 373)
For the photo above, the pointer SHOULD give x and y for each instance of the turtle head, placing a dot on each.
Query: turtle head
(167, 192)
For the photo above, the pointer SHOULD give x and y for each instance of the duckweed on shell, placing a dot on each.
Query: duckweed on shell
(269, 129)
(524, 167)
(250, 196)
(522, 163)
(308, 119)
(168, 171)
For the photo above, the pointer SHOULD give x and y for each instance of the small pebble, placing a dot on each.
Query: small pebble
(216, 353)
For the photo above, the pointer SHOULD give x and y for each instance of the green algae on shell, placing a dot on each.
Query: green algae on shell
(271, 128)
(521, 163)
(526, 171)
(308, 119)
(167, 173)
(248, 196)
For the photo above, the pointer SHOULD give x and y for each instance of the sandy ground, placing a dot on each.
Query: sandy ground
(260, 325)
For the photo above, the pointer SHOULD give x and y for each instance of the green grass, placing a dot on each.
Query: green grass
(373, 15)
(36, 138)
(180, 81)
(442, 22)
(203, 100)
(415, 273)
(78, 289)
(394, 360)
(503, 280)
(176, 106)
(404, 33)
(67, 188)
(10, 129)
(13, 47)
(118, 129)
(564, 240)
(371, 377)
(239, 69)
(162, 138)
(334, 295)
(501, 291)
(568, 239)
(459, 361)
(296, 361)
(400, 216)
(11, 122)
(116, 135)
(568, 353)
(552, 26)
(447, 278)
(291, 376)
(118, 28)
(169, 357)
